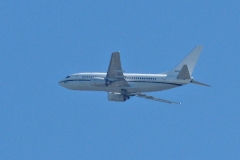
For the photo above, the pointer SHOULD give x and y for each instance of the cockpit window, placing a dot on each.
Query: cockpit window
(68, 77)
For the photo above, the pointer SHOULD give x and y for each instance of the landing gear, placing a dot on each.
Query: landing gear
(124, 90)
(107, 82)
(126, 97)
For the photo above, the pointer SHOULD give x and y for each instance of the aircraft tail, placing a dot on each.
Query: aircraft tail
(185, 68)
(187, 65)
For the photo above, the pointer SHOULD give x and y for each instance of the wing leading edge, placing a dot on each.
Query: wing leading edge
(141, 95)
(155, 99)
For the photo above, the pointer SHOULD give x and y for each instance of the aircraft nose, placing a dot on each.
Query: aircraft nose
(60, 83)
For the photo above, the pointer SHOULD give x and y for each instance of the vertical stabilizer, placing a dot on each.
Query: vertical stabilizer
(188, 63)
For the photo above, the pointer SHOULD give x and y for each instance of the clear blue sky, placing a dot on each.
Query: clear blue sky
(41, 42)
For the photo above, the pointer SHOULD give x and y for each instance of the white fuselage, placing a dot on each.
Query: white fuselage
(137, 82)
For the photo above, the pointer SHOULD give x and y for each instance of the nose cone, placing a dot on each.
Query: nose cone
(65, 83)
(61, 83)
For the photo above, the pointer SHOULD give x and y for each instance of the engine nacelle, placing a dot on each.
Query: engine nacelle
(98, 82)
(117, 97)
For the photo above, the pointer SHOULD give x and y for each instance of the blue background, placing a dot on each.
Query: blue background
(41, 42)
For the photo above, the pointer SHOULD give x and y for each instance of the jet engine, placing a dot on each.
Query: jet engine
(119, 97)
(99, 82)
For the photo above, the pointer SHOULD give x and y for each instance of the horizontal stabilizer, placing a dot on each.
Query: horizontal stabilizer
(199, 83)
(184, 73)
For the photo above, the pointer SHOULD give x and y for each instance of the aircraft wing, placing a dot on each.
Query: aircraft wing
(153, 98)
(115, 72)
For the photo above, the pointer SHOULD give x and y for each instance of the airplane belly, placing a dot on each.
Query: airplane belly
(85, 85)
(133, 87)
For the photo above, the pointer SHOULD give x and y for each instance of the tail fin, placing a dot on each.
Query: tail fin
(186, 66)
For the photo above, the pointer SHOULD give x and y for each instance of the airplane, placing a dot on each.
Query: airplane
(121, 86)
